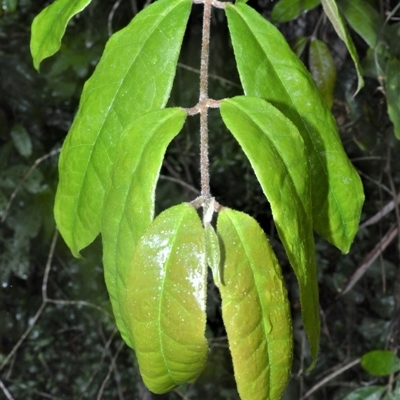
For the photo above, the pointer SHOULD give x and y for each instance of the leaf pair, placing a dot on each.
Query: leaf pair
(165, 302)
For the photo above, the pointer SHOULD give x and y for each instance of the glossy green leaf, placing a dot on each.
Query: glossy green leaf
(22, 140)
(392, 86)
(134, 76)
(337, 194)
(323, 69)
(363, 18)
(49, 26)
(332, 11)
(129, 206)
(366, 393)
(255, 308)
(166, 297)
(278, 156)
(380, 362)
(213, 252)
(286, 10)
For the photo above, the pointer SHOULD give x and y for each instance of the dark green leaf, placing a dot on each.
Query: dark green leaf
(166, 297)
(134, 76)
(21, 140)
(367, 393)
(129, 207)
(286, 10)
(337, 194)
(278, 156)
(255, 308)
(363, 18)
(392, 86)
(332, 12)
(298, 45)
(323, 69)
(49, 26)
(380, 362)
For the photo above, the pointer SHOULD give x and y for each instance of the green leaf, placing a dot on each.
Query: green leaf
(134, 76)
(165, 299)
(255, 308)
(129, 206)
(367, 393)
(298, 45)
(22, 140)
(337, 194)
(380, 362)
(278, 156)
(363, 18)
(323, 69)
(213, 252)
(287, 10)
(49, 26)
(392, 86)
(332, 12)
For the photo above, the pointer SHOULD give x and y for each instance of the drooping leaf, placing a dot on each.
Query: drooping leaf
(337, 194)
(287, 10)
(392, 86)
(363, 18)
(278, 156)
(380, 362)
(134, 76)
(323, 69)
(366, 393)
(49, 26)
(21, 140)
(129, 206)
(213, 252)
(332, 11)
(165, 299)
(255, 308)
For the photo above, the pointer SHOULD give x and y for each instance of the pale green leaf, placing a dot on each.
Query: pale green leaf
(49, 26)
(380, 362)
(255, 308)
(278, 156)
(332, 12)
(134, 76)
(363, 18)
(366, 393)
(323, 69)
(337, 194)
(166, 299)
(213, 252)
(392, 86)
(129, 206)
(286, 10)
(22, 140)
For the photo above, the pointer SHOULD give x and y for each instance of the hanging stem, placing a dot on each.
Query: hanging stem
(205, 52)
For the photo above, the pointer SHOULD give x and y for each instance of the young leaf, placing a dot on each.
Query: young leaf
(392, 86)
(49, 26)
(134, 76)
(323, 69)
(278, 156)
(165, 299)
(255, 308)
(287, 10)
(129, 206)
(363, 18)
(337, 194)
(213, 253)
(380, 362)
(332, 12)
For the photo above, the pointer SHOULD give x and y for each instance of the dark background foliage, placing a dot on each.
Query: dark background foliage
(58, 338)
